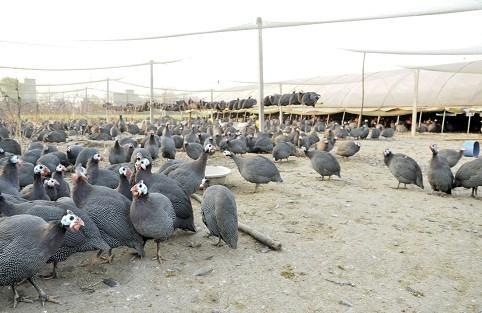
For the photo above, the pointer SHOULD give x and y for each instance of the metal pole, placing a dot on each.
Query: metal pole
(259, 22)
(415, 104)
(279, 104)
(107, 102)
(398, 120)
(420, 119)
(343, 117)
(362, 90)
(151, 96)
(85, 101)
(443, 122)
(468, 126)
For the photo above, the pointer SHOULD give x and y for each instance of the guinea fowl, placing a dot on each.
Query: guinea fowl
(257, 170)
(49, 160)
(26, 244)
(403, 168)
(193, 150)
(88, 239)
(323, 162)
(283, 150)
(375, 134)
(152, 215)
(452, 156)
(9, 182)
(31, 156)
(99, 176)
(192, 136)
(63, 188)
(59, 154)
(25, 174)
(348, 148)
(190, 174)
(110, 212)
(168, 147)
(10, 145)
(72, 153)
(440, 176)
(469, 175)
(117, 154)
(219, 214)
(170, 188)
(84, 156)
(124, 187)
(38, 191)
(50, 186)
(387, 132)
(237, 146)
(263, 144)
(152, 146)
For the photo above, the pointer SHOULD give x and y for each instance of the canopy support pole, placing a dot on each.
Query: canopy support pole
(259, 22)
(443, 122)
(398, 120)
(343, 117)
(328, 119)
(468, 126)
(378, 119)
(415, 104)
(279, 105)
(151, 95)
(362, 90)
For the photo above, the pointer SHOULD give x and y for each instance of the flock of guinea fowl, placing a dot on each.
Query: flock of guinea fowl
(46, 219)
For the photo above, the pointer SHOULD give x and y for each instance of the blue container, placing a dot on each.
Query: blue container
(471, 148)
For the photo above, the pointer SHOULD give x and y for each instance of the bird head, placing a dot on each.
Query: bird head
(139, 189)
(204, 184)
(142, 164)
(97, 157)
(14, 159)
(41, 169)
(60, 168)
(387, 152)
(434, 148)
(72, 221)
(80, 173)
(51, 182)
(125, 170)
(358, 143)
(209, 148)
(227, 153)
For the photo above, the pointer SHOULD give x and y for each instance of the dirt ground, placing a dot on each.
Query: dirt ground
(353, 244)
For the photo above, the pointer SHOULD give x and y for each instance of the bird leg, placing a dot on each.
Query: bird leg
(107, 259)
(219, 243)
(41, 294)
(52, 275)
(474, 192)
(398, 186)
(256, 188)
(17, 298)
(93, 260)
(158, 253)
(405, 185)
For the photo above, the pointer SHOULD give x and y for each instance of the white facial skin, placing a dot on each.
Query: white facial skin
(41, 169)
(386, 152)
(72, 221)
(123, 170)
(143, 163)
(14, 159)
(139, 189)
(97, 157)
(60, 168)
(227, 153)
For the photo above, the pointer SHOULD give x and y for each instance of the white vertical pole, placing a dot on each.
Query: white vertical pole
(259, 22)
(415, 103)
(362, 90)
(151, 96)
(443, 122)
(86, 105)
(279, 104)
(107, 102)
(343, 117)
(468, 126)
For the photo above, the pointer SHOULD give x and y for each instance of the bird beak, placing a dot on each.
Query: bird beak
(19, 162)
(77, 224)
(135, 191)
(128, 172)
(46, 171)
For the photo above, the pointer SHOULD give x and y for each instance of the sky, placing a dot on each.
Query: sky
(49, 33)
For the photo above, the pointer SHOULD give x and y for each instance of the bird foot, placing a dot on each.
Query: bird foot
(18, 299)
(92, 262)
(107, 259)
(46, 298)
(159, 259)
(135, 256)
(52, 275)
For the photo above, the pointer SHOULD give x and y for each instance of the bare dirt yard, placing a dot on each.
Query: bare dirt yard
(354, 244)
